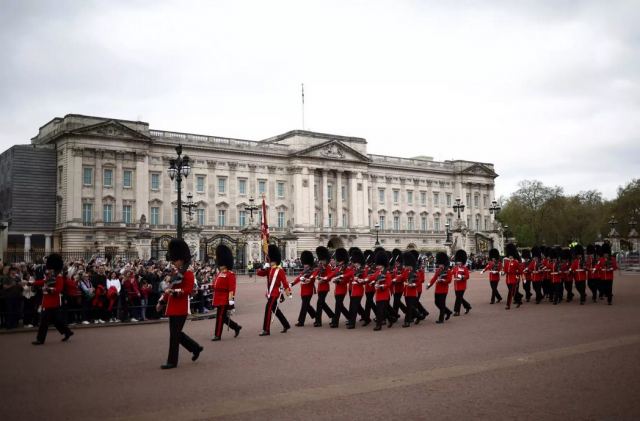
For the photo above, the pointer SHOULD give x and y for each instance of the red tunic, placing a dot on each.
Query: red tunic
(368, 286)
(223, 285)
(326, 273)
(460, 276)
(178, 304)
(442, 284)
(71, 287)
(381, 285)
(357, 284)
(275, 278)
(606, 268)
(537, 272)
(51, 298)
(579, 270)
(556, 272)
(398, 284)
(342, 284)
(512, 270)
(494, 269)
(307, 287)
(411, 289)
(524, 269)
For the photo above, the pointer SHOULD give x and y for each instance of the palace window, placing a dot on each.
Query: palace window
(87, 176)
(280, 189)
(423, 223)
(107, 211)
(107, 179)
(126, 214)
(436, 223)
(485, 201)
(436, 199)
(449, 221)
(410, 197)
(476, 201)
(344, 220)
(396, 196)
(280, 219)
(477, 222)
(330, 219)
(200, 183)
(344, 193)
(242, 218)
(329, 191)
(316, 220)
(87, 213)
(200, 216)
(381, 196)
(448, 200)
(423, 198)
(155, 215)
(242, 187)
(396, 223)
(410, 223)
(175, 216)
(155, 181)
(222, 185)
(221, 217)
(469, 199)
(381, 219)
(127, 179)
(262, 187)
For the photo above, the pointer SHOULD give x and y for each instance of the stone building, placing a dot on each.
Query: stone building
(320, 189)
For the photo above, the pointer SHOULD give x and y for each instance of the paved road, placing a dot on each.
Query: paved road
(538, 361)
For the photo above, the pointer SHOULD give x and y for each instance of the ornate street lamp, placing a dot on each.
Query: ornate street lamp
(251, 208)
(189, 206)
(458, 207)
(178, 168)
(494, 208)
(377, 227)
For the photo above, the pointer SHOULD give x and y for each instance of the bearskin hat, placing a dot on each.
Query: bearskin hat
(323, 253)
(461, 256)
(526, 254)
(565, 254)
(357, 256)
(442, 258)
(494, 254)
(178, 250)
(578, 250)
(306, 257)
(351, 250)
(378, 249)
(409, 259)
(591, 249)
(605, 249)
(536, 252)
(274, 254)
(551, 253)
(395, 255)
(368, 256)
(598, 250)
(382, 259)
(55, 262)
(224, 257)
(342, 255)
(512, 251)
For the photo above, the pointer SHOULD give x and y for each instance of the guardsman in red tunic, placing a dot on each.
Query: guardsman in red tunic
(369, 290)
(322, 275)
(381, 281)
(511, 268)
(307, 287)
(607, 264)
(341, 278)
(442, 279)
(579, 271)
(409, 277)
(593, 277)
(176, 298)
(276, 279)
(398, 283)
(420, 279)
(357, 282)
(556, 269)
(526, 284)
(460, 277)
(494, 267)
(52, 286)
(224, 292)
(537, 270)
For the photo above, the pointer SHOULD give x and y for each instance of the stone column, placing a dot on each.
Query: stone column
(365, 201)
(27, 247)
(142, 186)
(118, 183)
(325, 200)
(311, 197)
(298, 202)
(47, 243)
(353, 200)
(339, 198)
(97, 190)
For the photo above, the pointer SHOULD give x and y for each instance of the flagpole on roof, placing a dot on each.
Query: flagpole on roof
(303, 106)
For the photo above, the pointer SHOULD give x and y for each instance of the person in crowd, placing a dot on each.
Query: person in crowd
(113, 293)
(145, 292)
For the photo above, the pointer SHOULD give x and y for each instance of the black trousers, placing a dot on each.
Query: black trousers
(321, 306)
(355, 308)
(606, 288)
(272, 308)
(537, 287)
(581, 287)
(306, 308)
(526, 285)
(594, 286)
(441, 303)
(460, 301)
(177, 337)
(412, 311)
(340, 309)
(30, 315)
(557, 292)
(495, 295)
(398, 304)
(47, 317)
(222, 318)
(369, 305)
(423, 311)
(547, 288)
(513, 295)
(383, 312)
(568, 286)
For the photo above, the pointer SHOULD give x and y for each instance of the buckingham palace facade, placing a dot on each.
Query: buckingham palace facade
(320, 189)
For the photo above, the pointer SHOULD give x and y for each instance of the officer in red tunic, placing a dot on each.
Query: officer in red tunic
(176, 298)
(579, 271)
(442, 278)
(276, 280)
(322, 275)
(494, 267)
(512, 269)
(381, 281)
(341, 277)
(52, 286)
(537, 270)
(460, 278)
(224, 292)
(607, 264)
(307, 287)
(357, 283)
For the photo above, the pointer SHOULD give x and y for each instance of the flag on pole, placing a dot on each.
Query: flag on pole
(264, 228)
(303, 94)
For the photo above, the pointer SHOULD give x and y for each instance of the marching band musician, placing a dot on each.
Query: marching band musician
(356, 285)
(537, 271)
(224, 292)
(369, 290)
(381, 281)
(442, 279)
(176, 298)
(276, 279)
(307, 287)
(341, 277)
(607, 264)
(52, 287)
(460, 278)
(398, 284)
(511, 268)
(322, 274)
(579, 272)
(494, 267)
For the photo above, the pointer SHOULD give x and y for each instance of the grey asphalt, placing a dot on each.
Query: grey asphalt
(535, 362)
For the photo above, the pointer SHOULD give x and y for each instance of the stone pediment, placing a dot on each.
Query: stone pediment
(112, 129)
(479, 169)
(332, 149)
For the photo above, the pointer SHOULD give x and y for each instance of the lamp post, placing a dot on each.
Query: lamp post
(494, 208)
(458, 207)
(189, 206)
(250, 208)
(178, 168)
(448, 232)
(377, 227)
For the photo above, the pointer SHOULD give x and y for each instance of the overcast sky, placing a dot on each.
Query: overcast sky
(546, 90)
